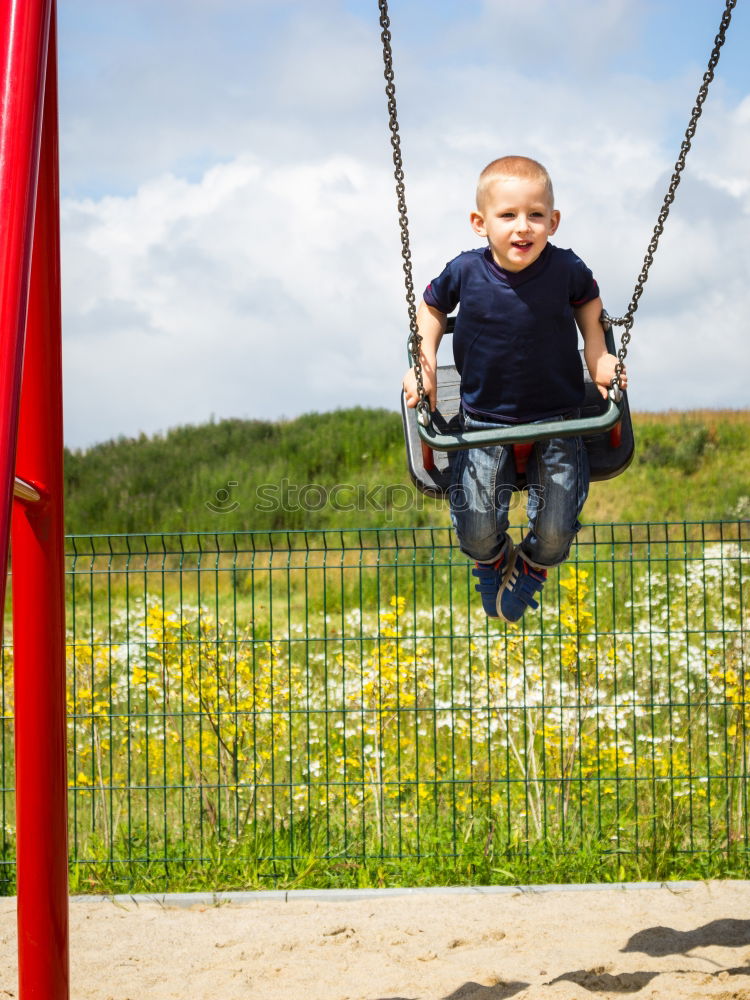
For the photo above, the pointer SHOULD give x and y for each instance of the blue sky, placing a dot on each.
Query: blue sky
(230, 238)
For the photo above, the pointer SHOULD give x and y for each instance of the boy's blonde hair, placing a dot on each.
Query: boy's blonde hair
(513, 166)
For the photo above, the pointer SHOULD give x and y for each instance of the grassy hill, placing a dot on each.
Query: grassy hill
(347, 469)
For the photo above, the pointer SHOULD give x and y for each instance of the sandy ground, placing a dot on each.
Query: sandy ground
(683, 942)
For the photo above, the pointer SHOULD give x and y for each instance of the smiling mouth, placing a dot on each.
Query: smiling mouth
(522, 246)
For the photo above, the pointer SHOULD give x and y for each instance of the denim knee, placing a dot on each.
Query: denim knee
(561, 480)
(545, 549)
(482, 546)
(480, 522)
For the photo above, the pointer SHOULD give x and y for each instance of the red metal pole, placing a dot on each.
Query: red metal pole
(39, 603)
(23, 50)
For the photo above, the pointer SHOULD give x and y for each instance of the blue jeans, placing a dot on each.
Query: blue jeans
(483, 487)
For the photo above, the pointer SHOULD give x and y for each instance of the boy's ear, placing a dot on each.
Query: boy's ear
(477, 223)
(555, 221)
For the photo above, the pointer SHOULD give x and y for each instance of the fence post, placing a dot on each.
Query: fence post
(39, 599)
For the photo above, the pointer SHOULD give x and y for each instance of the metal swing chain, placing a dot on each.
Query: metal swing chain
(627, 320)
(415, 340)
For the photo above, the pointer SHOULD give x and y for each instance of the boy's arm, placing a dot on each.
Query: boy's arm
(431, 325)
(600, 363)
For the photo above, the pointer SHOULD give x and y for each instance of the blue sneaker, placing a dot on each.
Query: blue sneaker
(491, 577)
(517, 593)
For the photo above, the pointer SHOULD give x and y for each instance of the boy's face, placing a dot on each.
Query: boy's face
(517, 217)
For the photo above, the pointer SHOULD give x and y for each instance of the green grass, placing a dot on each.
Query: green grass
(546, 862)
(692, 465)
(281, 473)
(306, 730)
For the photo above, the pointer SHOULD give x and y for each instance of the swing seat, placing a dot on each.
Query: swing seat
(604, 424)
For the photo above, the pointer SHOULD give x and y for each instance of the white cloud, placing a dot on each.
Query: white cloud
(256, 291)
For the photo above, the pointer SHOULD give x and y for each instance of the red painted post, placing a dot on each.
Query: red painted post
(39, 603)
(24, 26)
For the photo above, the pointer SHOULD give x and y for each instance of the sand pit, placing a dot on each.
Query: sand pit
(682, 942)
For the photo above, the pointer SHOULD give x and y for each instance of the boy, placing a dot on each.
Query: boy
(516, 348)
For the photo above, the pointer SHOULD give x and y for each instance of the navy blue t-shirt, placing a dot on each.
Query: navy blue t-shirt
(516, 342)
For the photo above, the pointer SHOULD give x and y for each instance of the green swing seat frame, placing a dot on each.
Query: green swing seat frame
(604, 424)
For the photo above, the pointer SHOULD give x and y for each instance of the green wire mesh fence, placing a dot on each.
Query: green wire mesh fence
(257, 706)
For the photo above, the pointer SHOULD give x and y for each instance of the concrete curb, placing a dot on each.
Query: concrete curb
(248, 898)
